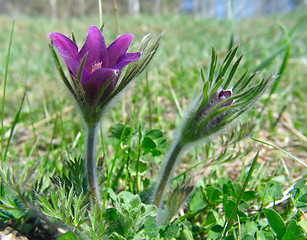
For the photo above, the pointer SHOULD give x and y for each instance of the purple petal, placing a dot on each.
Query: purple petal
(118, 47)
(223, 95)
(64, 44)
(96, 81)
(73, 64)
(125, 59)
(227, 104)
(68, 50)
(84, 76)
(96, 48)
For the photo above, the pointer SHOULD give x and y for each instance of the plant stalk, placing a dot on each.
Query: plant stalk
(116, 16)
(169, 166)
(91, 166)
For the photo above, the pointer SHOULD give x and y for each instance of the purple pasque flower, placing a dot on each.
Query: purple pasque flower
(102, 64)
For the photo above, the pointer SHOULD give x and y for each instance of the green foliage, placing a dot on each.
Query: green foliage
(72, 175)
(299, 195)
(276, 222)
(132, 214)
(154, 142)
(68, 236)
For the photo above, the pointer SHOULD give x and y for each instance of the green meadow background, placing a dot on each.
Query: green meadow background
(174, 75)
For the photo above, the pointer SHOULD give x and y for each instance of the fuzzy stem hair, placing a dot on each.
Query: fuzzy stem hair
(170, 163)
(91, 168)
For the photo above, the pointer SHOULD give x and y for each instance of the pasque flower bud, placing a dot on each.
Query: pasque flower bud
(217, 107)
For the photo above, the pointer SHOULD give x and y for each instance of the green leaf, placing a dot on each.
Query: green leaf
(232, 73)
(186, 235)
(117, 131)
(213, 195)
(150, 210)
(303, 224)
(112, 195)
(172, 231)
(228, 189)
(215, 232)
(110, 214)
(151, 227)
(303, 198)
(154, 134)
(294, 231)
(249, 237)
(249, 196)
(212, 218)
(260, 236)
(228, 205)
(135, 202)
(197, 202)
(138, 166)
(301, 183)
(276, 222)
(116, 236)
(148, 143)
(230, 237)
(125, 196)
(237, 190)
(274, 192)
(214, 57)
(68, 236)
(249, 228)
(154, 142)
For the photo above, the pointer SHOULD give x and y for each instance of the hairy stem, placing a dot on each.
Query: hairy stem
(91, 168)
(169, 165)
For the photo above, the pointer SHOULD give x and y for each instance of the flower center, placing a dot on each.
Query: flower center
(96, 66)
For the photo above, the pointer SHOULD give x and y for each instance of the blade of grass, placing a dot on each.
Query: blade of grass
(131, 134)
(264, 193)
(281, 70)
(175, 99)
(284, 151)
(138, 160)
(157, 104)
(269, 60)
(103, 150)
(16, 120)
(233, 26)
(4, 89)
(100, 12)
(32, 121)
(229, 222)
(113, 165)
(148, 99)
